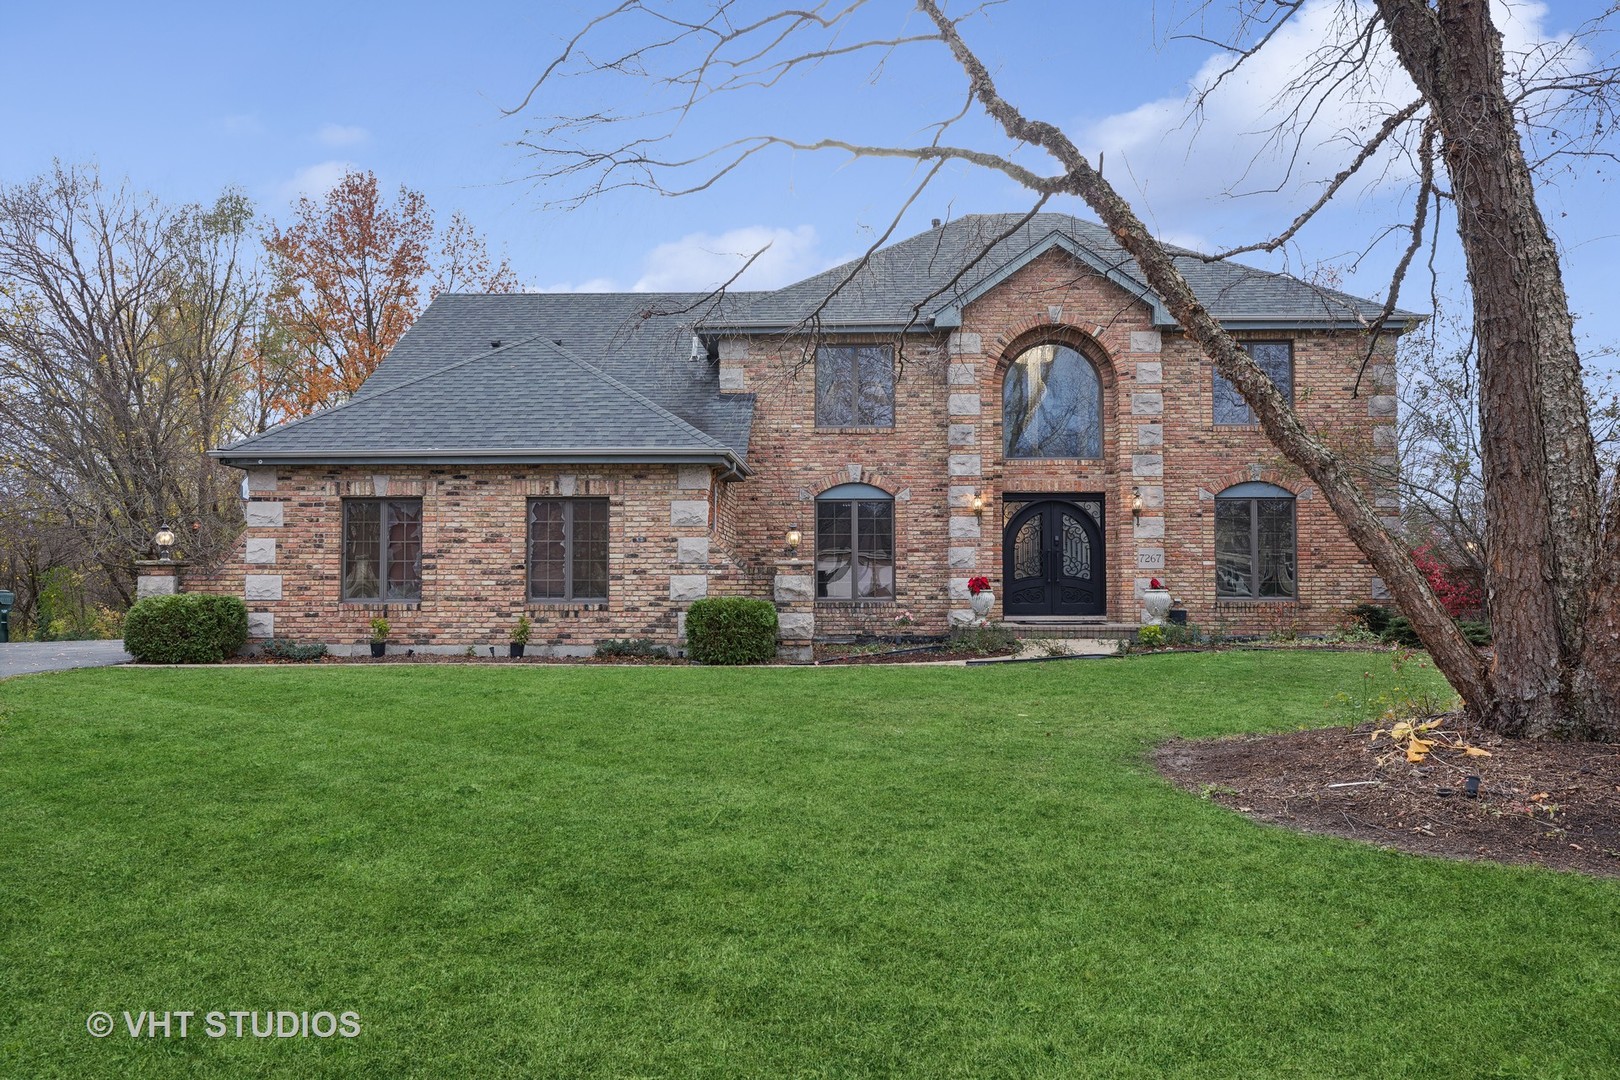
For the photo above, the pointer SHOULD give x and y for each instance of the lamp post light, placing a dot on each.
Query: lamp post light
(164, 539)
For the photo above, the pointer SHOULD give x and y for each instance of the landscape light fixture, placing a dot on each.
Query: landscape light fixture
(164, 539)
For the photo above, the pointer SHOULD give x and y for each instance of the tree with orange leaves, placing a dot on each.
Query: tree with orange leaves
(348, 276)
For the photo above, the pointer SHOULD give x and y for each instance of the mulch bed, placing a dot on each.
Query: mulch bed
(1555, 805)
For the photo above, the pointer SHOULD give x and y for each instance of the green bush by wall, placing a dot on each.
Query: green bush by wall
(731, 630)
(190, 628)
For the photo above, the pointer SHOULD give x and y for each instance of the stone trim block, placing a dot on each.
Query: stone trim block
(731, 379)
(963, 405)
(1147, 403)
(1147, 464)
(692, 549)
(795, 625)
(963, 558)
(962, 374)
(1150, 435)
(962, 617)
(1149, 371)
(261, 587)
(261, 624)
(1381, 405)
(263, 515)
(965, 465)
(791, 588)
(1150, 558)
(958, 589)
(962, 435)
(692, 477)
(260, 549)
(734, 348)
(688, 586)
(261, 480)
(963, 343)
(1152, 496)
(1150, 528)
(1146, 341)
(689, 512)
(965, 528)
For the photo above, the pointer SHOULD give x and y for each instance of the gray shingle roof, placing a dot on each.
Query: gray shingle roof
(622, 385)
(912, 281)
(613, 376)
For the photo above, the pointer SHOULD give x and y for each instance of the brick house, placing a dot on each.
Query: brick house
(1026, 411)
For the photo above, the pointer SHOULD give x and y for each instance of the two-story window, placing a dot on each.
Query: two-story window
(382, 550)
(855, 386)
(1276, 359)
(568, 550)
(855, 543)
(1255, 548)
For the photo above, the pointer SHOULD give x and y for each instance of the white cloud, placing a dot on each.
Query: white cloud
(700, 261)
(312, 180)
(1176, 167)
(598, 284)
(341, 134)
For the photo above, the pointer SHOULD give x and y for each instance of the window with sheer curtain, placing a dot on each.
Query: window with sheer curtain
(855, 543)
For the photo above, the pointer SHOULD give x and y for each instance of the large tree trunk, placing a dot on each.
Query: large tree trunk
(1452, 654)
(1540, 469)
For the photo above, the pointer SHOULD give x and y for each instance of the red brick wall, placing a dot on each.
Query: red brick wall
(473, 563)
(945, 447)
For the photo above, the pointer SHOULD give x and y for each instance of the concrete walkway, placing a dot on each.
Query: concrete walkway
(31, 657)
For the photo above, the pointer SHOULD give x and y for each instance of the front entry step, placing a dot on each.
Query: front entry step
(1031, 627)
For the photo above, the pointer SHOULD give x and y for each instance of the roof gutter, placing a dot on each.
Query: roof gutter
(247, 458)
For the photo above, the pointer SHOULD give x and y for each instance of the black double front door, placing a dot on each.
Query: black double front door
(1053, 556)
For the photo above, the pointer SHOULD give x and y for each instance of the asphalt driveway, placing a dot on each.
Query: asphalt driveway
(31, 657)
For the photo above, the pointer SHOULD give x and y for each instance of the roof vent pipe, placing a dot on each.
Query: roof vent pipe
(936, 223)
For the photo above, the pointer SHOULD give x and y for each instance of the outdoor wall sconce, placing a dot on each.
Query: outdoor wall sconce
(1136, 505)
(164, 539)
(978, 504)
(794, 538)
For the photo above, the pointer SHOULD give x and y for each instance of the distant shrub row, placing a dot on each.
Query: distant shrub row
(190, 628)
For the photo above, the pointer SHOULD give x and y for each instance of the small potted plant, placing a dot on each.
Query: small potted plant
(379, 636)
(1156, 602)
(902, 622)
(520, 635)
(980, 596)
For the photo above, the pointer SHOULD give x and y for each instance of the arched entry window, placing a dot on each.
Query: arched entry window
(1255, 543)
(854, 543)
(1051, 405)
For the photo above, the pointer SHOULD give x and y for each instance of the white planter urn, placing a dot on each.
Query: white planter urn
(981, 602)
(1156, 602)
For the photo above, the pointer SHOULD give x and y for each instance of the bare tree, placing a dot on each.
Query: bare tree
(1554, 551)
(121, 361)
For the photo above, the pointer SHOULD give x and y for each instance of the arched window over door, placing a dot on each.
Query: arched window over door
(1051, 404)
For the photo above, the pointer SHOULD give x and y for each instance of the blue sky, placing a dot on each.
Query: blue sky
(185, 99)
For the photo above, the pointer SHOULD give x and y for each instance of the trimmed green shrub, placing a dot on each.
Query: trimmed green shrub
(191, 628)
(288, 649)
(636, 647)
(1400, 632)
(731, 630)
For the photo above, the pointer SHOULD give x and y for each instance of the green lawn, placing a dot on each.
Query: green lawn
(932, 872)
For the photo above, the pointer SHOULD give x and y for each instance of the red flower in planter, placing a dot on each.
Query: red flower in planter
(977, 585)
(1155, 584)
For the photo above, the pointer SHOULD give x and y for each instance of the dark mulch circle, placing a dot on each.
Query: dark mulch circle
(1555, 805)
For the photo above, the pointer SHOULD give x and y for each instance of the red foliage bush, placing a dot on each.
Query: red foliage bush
(1460, 597)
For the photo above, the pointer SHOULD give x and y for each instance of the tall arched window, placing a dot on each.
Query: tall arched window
(854, 543)
(1254, 543)
(1051, 405)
